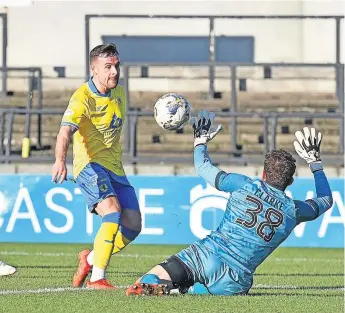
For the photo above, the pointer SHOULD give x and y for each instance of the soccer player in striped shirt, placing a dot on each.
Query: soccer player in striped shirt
(95, 117)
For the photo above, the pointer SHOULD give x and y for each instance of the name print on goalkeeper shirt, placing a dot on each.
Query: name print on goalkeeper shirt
(269, 199)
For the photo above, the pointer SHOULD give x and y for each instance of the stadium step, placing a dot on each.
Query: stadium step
(146, 100)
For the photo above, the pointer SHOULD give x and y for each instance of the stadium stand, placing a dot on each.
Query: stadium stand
(152, 139)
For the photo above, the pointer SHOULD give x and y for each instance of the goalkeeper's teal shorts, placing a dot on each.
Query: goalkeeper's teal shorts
(211, 274)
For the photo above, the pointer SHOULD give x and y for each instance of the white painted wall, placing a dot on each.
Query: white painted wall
(318, 39)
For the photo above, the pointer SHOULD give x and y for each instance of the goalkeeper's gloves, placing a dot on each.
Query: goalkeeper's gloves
(307, 147)
(203, 130)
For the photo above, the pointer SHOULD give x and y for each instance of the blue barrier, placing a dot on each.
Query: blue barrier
(32, 209)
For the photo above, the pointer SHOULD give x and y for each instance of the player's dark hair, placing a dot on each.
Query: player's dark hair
(103, 51)
(279, 167)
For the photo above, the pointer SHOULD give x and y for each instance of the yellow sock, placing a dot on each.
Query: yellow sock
(120, 242)
(104, 242)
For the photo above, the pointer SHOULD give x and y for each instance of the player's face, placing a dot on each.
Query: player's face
(107, 71)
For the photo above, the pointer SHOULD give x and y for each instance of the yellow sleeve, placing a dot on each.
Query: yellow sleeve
(74, 113)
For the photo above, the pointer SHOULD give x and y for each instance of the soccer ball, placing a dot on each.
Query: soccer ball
(172, 111)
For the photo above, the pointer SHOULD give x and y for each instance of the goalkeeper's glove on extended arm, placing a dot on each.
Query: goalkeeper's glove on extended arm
(307, 147)
(203, 130)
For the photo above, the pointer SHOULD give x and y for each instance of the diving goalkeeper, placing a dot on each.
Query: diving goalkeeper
(258, 218)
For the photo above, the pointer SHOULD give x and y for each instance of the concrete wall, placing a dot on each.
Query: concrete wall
(51, 33)
(163, 170)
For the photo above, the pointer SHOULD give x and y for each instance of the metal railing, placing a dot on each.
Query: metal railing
(3, 16)
(269, 137)
(7, 116)
(34, 83)
(233, 102)
(269, 120)
(130, 144)
(211, 33)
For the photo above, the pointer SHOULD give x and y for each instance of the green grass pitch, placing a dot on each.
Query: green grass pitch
(290, 280)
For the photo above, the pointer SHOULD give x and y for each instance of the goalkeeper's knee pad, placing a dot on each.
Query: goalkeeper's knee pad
(181, 276)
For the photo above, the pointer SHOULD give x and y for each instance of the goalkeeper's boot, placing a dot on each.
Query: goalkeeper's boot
(143, 289)
(83, 270)
(6, 269)
(100, 284)
(149, 285)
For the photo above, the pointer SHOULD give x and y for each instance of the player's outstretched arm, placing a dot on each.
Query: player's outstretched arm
(308, 148)
(203, 133)
(59, 170)
(74, 114)
(203, 166)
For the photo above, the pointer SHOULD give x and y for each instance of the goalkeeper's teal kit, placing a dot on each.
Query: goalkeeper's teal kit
(258, 218)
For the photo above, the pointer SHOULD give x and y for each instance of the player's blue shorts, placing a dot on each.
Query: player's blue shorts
(211, 274)
(97, 183)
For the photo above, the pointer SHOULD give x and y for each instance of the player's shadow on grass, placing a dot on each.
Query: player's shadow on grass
(301, 274)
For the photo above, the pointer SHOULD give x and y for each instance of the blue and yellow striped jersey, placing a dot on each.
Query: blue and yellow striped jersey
(98, 120)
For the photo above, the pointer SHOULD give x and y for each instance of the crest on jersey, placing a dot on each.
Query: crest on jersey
(101, 108)
(119, 100)
(103, 188)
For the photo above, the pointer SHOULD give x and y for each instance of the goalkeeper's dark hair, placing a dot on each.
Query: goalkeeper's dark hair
(279, 168)
(103, 51)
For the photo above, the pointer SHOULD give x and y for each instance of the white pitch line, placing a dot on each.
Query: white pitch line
(48, 290)
(71, 289)
(156, 256)
(64, 254)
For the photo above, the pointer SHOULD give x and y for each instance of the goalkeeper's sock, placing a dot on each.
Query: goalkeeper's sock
(104, 244)
(123, 238)
(150, 279)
